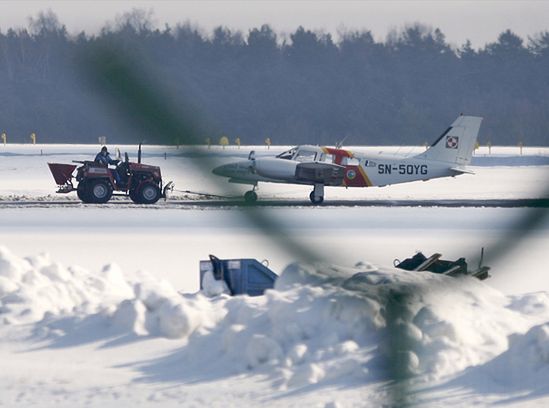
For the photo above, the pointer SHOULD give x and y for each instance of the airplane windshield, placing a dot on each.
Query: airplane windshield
(288, 154)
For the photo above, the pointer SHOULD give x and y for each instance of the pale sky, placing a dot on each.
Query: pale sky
(480, 21)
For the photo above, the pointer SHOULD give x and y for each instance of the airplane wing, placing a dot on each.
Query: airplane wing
(242, 181)
(462, 170)
(320, 173)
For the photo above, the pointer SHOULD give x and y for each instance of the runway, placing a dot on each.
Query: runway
(235, 203)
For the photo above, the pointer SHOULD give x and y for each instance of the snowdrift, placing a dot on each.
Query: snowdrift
(322, 324)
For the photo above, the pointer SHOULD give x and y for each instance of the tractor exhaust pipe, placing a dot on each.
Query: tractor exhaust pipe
(139, 154)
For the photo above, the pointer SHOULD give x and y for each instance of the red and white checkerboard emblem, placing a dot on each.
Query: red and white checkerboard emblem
(452, 142)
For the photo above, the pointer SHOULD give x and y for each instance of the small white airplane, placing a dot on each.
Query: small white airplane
(321, 166)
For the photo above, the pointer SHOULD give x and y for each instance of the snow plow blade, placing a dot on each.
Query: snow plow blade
(167, 190)
(420, 262)
(62, 174)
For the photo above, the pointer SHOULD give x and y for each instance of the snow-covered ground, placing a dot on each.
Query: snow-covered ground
(25, 174)
(99, 320)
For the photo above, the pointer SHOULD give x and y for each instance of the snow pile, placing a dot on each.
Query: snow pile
(35, 287)
(324, 325)
(158, 310)
(421, 323)
(321, 324)
(526, 362)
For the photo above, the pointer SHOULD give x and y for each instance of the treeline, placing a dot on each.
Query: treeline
(304, 88)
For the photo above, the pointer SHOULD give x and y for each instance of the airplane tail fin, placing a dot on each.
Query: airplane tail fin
(457, 143)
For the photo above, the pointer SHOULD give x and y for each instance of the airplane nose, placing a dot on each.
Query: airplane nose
(217, 171)
(223, 170)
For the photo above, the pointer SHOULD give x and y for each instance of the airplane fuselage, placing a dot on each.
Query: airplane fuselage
(358, 171)
(325, 166)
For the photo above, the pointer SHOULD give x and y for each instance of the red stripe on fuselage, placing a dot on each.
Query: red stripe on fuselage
(338, 154)
(355, 177)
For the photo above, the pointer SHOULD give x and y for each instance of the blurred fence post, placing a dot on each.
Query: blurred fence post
(224, 141)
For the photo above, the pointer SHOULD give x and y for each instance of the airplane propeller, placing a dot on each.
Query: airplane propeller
(339, 144)
(251, 157)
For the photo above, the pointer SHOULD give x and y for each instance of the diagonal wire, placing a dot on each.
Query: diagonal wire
(141, 101)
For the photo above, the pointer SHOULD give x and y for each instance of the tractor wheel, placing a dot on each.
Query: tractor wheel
(81, 192)
(134, 196)
(148, 193)
(99, 191)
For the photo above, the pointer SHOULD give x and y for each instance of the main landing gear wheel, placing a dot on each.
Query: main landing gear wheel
(317, 195)
(250, 196)
(315, 200)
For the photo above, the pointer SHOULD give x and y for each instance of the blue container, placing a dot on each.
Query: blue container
(242, 276)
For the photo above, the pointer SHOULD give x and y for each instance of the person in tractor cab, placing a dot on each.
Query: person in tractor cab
(103, 157)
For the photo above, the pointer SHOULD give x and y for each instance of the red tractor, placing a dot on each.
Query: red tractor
(97, 183)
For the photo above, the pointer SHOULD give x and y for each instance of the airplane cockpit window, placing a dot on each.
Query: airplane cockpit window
(327, 158)
(305, 156)
(288, 154)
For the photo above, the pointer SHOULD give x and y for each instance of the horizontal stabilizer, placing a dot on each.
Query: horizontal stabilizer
(462, 170)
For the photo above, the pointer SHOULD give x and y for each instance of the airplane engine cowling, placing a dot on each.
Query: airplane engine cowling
(276, 168)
